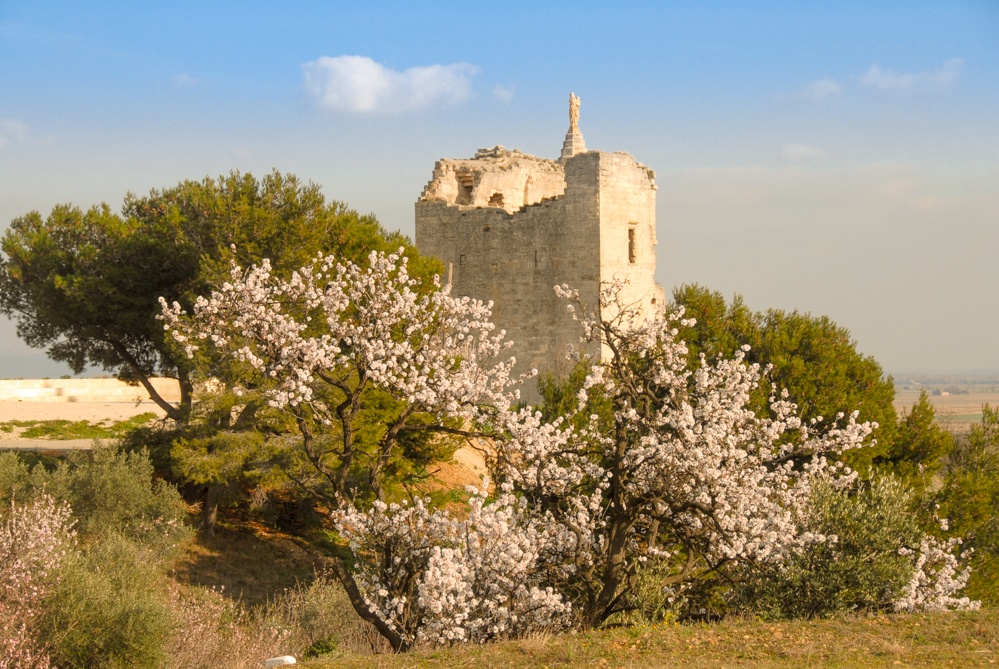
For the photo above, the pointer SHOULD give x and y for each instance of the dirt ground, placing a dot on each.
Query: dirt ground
(92, 412)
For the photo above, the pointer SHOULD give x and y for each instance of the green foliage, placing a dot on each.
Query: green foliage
(85, 284)
(110, 609)
(112, 491)
(920, 447)
(277, 217)
(812, 358)
(861, 571)
(720, 328)
(109, 491)
(14, 479)
(652, 599)
(76, 429)
(970, 501)
(560, 397)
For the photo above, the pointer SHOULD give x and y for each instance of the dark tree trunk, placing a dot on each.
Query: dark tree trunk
(399, 645)
(210, 509)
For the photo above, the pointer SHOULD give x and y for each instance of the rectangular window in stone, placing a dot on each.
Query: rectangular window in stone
(632, 246)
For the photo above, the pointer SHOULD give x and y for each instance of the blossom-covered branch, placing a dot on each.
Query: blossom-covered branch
(659, 460)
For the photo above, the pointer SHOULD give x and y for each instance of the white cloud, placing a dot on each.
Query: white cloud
(12, 130)
(887, 80)
(184, 80)
(823, 87)
(798, 152)
(359, 84)
(503, 93)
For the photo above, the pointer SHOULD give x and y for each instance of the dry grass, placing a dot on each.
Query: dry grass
(932, 640)
(248, 562)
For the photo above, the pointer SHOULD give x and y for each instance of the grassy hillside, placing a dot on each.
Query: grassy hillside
(931, 640)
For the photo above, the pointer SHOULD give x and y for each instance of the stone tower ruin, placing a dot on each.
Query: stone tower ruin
(510, 226)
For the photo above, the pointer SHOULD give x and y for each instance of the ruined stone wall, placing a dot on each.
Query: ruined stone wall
(495, 177)
(578, 236)
(628, 229)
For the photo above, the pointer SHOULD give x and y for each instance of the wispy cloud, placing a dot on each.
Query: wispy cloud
(185, 80)
(503, 93)
(941, 78)
(799, 152)
(12, 130)
(878, 78)
(360, 85)
(821, 88)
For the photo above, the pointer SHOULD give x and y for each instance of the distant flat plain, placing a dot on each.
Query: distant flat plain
(955, 411)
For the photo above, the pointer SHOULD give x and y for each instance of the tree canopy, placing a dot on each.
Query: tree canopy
(811, 357)
(84, 284)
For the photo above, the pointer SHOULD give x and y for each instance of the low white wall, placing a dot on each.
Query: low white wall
(84, 390)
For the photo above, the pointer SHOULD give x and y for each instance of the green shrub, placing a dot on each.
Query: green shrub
(14, 476)
(111, 609)
(117, 492)
(861, 570)
(320, 620)
(970, 501)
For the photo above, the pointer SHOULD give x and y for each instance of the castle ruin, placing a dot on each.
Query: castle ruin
(511, 226)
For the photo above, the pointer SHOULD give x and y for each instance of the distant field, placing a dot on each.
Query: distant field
(954, 411)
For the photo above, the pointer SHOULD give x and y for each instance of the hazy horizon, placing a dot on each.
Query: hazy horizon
(841, 160)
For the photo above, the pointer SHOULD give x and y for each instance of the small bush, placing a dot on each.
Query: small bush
(970, 500)
(305, 621)
(867, 567)
(114, 491)
(111, 608)
(14, 476)
(218, 632)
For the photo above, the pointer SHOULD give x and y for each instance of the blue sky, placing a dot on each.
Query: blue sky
(838, 158)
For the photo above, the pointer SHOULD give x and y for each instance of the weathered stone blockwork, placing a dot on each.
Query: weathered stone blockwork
(510, 227)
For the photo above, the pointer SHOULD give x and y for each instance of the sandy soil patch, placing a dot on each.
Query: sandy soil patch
(92, 412)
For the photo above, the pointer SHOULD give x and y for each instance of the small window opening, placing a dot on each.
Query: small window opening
(466, 184)
(496, 200)
(461, 260)
(632, 250)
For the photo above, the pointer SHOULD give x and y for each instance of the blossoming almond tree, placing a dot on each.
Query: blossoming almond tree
(437, 580)
(659, 461)
(335, 339)
(656, 460)
(34, 540)
(325, 346)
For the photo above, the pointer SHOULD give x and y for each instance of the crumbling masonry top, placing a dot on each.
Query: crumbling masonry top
(496, 177)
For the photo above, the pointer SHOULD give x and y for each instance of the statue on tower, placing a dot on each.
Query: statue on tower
(573, 113)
